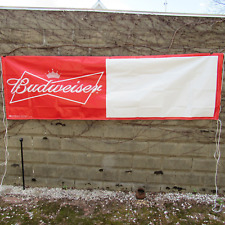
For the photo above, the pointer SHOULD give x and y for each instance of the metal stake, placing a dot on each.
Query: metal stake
(21, 144)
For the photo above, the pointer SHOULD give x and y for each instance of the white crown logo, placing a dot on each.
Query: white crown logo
(53, 74)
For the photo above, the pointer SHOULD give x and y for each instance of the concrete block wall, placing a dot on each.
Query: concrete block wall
(115, 155)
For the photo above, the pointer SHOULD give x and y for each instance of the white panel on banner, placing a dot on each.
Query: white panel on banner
(161, 87)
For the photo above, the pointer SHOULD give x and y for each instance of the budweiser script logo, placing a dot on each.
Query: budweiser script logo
(78, 89)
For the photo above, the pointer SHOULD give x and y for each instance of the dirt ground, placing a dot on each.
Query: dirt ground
(60, 206)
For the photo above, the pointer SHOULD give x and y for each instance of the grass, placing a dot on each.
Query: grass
(64, 212)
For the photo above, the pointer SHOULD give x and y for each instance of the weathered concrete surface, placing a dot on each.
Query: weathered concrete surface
(159, 155)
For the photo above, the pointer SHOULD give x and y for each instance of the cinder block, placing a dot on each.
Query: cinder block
(129, 146)
(60, 36)
(117, 160)
(110, 175)
(180, 135)
(196, 150)
(60, 157)
(146, 162)
(209, 180)
(59, 182)
(38, 182)
(2, 127)
(75, 144)
(115, 130)
(49, 143)
(204, 165)
(125, 175)
(88, 159)
(113, 186)
(95, 174)
(179, 164)
(103, 145)
(36, 156)
(190, 179)
(120, 186)
(72, 172)
(138, 185)
(80, 184)
(14, 155)
(46, 171)
(28, 36)
(15, 171)
(12, 180)
(181, 149)
(221, 180)
(45, 128)
(154, 188)
(63, 128)
(2, 155)
(24, 127)
(28, 169)
(14, 142)
(201, 124)
(168, 178)
(140, 176)
(89, 128)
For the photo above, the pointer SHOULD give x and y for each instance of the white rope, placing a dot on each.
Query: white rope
(217, 206)
(5, 122)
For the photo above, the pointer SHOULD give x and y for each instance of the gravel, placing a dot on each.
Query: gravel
(100, 195)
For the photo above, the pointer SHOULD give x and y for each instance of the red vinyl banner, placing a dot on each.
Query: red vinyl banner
(100, 88)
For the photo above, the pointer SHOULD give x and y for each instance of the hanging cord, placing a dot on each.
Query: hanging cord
(218, 206)
(5, 123)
